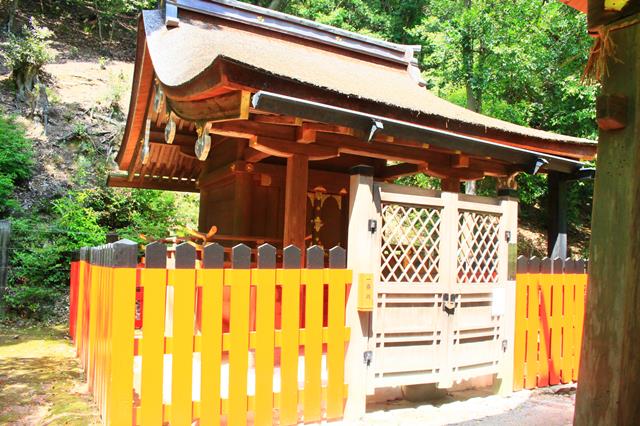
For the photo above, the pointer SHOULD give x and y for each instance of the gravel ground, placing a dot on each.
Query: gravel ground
(545, 407)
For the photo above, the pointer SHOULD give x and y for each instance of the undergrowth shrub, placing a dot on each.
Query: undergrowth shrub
(16, 161)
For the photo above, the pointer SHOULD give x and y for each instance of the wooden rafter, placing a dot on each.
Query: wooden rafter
(286, 149)
(167, 184)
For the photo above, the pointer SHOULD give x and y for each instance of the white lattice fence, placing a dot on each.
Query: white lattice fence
(410, 244)
(478, 246)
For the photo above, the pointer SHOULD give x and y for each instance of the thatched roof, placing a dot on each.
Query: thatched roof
(182, 55)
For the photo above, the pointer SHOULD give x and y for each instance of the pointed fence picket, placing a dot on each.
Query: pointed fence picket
(186, 360)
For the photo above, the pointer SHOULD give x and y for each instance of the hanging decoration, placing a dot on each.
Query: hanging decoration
(158, 99)
(145, 153)
(170, 128)
(203, 144)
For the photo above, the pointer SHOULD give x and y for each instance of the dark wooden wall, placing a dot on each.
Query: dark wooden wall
(251, 204)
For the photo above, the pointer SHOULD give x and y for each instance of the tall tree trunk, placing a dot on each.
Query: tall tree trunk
(473, 103)
(99, 21)
(277, 4)
(13, 7)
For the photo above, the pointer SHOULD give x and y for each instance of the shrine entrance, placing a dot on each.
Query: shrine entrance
(442, 306)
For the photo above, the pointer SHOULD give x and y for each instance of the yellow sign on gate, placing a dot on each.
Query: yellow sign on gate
(365, 292)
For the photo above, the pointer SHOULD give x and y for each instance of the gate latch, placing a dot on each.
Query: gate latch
(449, 303)
(368, 356)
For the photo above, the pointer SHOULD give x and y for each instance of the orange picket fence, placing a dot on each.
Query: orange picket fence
(263, 341)
(550, 301)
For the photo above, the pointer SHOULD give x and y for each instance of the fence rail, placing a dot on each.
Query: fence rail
(550, 301)
(215, 344)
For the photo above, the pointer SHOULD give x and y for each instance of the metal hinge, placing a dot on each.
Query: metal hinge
(368, 356)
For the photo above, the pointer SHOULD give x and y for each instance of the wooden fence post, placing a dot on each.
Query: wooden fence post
(338, 279)
(184, 284)
(264, 279)
(153, 279)
(5, 234)
(211, 279)
(290, 321)
(123, 315)
(239, 279)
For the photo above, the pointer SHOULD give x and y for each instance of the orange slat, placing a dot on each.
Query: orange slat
(556, 330)
(531, 365)
(568, 322)
(544, 328)
(581, 287)
(519, 354)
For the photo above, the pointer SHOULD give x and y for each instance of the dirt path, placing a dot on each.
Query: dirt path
(41, 382)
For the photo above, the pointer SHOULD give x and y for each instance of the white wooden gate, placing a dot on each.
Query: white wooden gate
(442, 310)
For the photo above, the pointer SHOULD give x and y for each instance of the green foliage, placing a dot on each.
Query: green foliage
(41, 249)
(15, 161)
(420, 180)
(30, 49)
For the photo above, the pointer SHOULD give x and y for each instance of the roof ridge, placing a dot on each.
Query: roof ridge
(262, 17)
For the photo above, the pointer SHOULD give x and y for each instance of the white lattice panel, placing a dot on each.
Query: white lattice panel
(478, 245)
(410, 244)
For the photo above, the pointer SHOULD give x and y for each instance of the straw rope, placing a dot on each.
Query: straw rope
(604, 49)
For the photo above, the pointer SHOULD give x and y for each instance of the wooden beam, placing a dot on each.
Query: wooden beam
(460, 161)
(295, 201)
(445, 172)
(247, 128)
(604, 12)
(403, 169)
(580, 5)
(212, 177)
(253, 155)
(286, 149)
(308, 131)
(134, 161)
(138, 105)
(386, 151)
(277, 119)
(229, 106)
(165, 184)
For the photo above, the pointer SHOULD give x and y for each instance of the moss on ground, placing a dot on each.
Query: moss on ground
(41, 381)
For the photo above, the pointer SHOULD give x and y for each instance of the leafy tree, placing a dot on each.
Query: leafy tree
(26, 55)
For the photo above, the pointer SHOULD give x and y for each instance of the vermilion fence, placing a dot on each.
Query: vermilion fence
(186, 363)
(550, 301)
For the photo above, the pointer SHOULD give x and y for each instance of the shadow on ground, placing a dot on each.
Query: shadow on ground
(41, 381)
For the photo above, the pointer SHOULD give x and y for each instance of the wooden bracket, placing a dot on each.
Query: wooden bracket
(611, 112)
